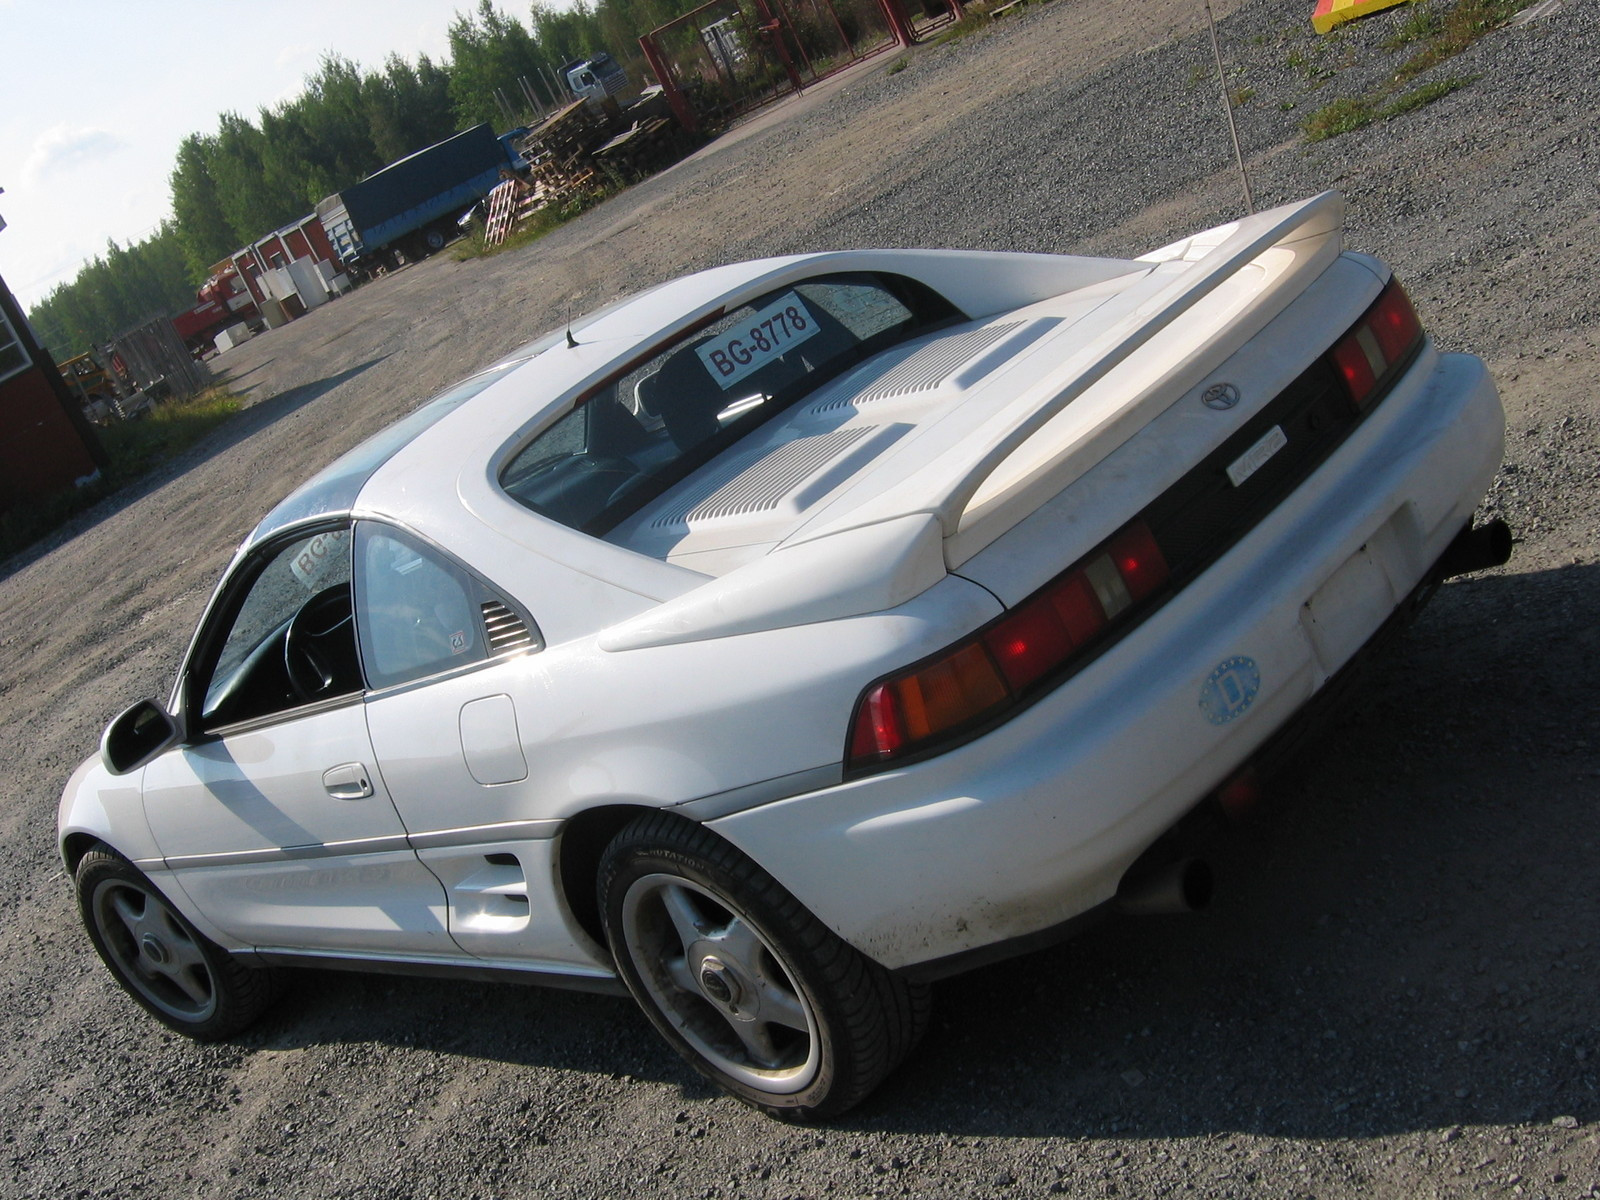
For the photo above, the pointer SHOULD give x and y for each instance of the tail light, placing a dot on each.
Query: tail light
(974, 682)
(1378, 345)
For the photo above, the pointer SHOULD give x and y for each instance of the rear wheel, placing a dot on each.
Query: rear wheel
(743, 981)
(182, 978)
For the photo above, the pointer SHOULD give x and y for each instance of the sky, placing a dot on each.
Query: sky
(95, 96)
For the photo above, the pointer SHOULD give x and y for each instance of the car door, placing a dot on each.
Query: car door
(272, 815)
(447, 656)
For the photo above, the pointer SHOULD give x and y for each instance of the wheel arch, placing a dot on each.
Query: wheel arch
(75, 845)
(582, 843)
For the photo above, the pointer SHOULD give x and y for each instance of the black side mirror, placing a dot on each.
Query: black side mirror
(137, 736)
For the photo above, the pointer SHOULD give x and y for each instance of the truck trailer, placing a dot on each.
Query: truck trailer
(408, 209)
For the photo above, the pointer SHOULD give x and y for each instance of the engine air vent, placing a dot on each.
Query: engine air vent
(929, 367)
(505, 630)
(760, 485)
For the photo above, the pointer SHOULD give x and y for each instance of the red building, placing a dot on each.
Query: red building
(45, 442)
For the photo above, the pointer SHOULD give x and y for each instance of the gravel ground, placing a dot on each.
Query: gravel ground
(1394, 993)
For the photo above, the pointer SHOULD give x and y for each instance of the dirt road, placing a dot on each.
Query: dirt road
(1395, 992)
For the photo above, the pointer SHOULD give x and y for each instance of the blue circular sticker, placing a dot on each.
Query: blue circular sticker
(1230, 690)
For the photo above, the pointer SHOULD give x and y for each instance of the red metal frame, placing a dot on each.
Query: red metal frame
(769, 28)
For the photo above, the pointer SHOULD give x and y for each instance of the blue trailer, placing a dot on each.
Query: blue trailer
(408, 209)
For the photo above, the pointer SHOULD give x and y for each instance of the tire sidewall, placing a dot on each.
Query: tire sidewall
(232, 1008)
(626, 865)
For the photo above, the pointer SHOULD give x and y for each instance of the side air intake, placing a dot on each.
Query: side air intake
(505, 630)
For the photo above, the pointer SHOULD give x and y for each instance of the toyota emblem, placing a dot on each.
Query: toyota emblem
(1220, 396)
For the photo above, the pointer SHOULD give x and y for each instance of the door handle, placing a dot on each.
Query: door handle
(347, 781)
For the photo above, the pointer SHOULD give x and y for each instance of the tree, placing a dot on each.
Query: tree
(131, 285)
(203, 230)
(407, 107)
(335, 115)
(567, 34)
(254, 202)
(489, 54)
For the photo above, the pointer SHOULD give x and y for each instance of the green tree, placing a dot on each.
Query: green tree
(567, 34)
(335, 115)
(489, 54)
(407, 107)
(254, 202)
(131, 285)
(204, 232)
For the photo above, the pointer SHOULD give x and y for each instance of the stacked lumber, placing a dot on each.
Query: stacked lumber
(559, 149)
(645, 147)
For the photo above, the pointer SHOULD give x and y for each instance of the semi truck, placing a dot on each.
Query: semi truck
(409, 208)
(594, 79)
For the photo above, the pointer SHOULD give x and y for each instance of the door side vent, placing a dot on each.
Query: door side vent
(505, 630)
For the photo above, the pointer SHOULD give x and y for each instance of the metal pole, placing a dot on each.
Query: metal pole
(676, 101)
(1227, 107)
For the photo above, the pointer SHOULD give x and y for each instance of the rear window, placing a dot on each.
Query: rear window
(658, 421)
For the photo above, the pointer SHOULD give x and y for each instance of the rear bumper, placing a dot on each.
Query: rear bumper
(1035, 823)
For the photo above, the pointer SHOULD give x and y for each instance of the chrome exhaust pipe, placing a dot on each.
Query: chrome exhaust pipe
(1476, 549)
(1178, 887)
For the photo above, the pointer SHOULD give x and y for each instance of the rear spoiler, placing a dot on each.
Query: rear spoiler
(962, 458)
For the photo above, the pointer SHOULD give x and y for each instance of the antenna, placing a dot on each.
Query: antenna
(1227, 107)
(572, 342)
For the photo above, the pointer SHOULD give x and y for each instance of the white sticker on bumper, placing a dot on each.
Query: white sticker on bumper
(1253, 459)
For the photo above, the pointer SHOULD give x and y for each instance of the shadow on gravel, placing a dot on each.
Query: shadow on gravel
(1408, 940)
(1381, 958)
(257, 417)
(244, 425)
(528, 1026)
(236, 382)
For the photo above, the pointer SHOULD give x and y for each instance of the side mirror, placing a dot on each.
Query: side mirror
(137, 736)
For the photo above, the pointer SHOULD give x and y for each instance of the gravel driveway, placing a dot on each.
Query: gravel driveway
(1395, 993)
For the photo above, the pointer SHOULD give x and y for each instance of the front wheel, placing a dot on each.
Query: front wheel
(182, 978)
(743, 981)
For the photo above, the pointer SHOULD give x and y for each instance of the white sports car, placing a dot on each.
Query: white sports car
(790, 635)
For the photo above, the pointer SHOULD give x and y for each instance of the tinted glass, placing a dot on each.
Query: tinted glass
(419, 614)
(648, 428)
(250, 678)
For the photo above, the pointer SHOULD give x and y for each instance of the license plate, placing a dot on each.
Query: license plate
(757, 340)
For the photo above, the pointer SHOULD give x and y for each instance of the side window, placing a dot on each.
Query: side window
(290, 638)
(420, 614)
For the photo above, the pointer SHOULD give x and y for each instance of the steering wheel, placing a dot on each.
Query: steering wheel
(319, 652)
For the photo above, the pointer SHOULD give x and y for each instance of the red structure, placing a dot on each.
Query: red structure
(727, 57)
(46, 443)
(303, 240)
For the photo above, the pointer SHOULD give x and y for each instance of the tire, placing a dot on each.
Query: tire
(177, 974)
(434, 240)
(743, 981)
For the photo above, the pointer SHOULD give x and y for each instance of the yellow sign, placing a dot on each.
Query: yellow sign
(1336, 12)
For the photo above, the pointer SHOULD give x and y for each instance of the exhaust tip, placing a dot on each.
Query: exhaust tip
(1183, 886)
(1489, 545)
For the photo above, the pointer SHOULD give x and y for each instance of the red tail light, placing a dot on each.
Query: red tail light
(1384, 338)
(998, 667)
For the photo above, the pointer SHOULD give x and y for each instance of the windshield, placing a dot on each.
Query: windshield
(658, 421)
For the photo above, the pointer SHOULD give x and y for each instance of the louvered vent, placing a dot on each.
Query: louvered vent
(759, 486)
(506, 631)
(927, 368)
